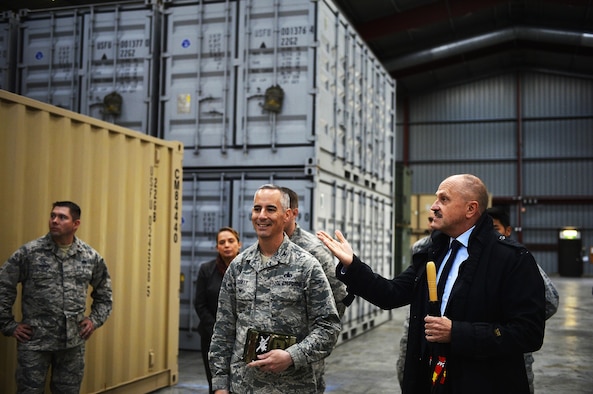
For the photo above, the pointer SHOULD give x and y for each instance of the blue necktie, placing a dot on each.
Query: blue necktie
(447, 268)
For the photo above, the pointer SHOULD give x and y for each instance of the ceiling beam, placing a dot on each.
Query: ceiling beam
(519, 37)
(439, 11)
(421, 16)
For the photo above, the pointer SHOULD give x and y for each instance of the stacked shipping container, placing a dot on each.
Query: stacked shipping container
(257, 91)
(277, 92)
(225, 63)
(98, 60)
(8, 31)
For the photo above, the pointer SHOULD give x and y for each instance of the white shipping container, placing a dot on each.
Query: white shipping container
(199, 75)
(213, 199)
(8, 34)
(267, 83)
(49, 58)
(100, 61)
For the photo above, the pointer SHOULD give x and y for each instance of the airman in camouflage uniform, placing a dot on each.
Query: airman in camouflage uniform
(55, 272)
(313, 245)
(276, 286)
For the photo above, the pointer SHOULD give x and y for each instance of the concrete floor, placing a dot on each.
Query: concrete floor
(366, 364)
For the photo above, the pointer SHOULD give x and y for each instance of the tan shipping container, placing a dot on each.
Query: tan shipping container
(128, 186)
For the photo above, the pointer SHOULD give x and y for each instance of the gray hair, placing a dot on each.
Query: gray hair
(284, 198)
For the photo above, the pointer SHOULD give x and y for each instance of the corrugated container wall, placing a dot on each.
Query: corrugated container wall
(97, 60)
(276, 84)
(8, 41)
(528, 136)
(129, 188)
(213, 199)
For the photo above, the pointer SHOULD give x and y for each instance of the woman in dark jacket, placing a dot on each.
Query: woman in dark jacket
(496, 307)
(208, 287)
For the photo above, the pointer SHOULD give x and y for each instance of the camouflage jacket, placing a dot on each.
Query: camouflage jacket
(313, 245)
(289, 294)
(54, 292)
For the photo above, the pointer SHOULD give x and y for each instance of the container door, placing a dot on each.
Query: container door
(49, 58)
(197, 98)
(118, 56)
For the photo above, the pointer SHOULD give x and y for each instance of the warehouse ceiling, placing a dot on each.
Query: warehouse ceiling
(429, 44)
(426, 44)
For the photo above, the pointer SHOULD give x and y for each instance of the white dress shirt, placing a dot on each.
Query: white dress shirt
(462, 255)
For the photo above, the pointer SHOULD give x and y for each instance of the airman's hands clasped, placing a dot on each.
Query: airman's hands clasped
(340, 247)
(23, 332)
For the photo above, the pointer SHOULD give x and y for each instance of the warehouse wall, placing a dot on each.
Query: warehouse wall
(527, 135)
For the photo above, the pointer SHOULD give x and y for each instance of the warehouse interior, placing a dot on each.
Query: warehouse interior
(499, 88)
(459, 50)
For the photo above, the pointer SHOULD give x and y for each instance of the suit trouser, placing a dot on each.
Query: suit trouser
(205, 343)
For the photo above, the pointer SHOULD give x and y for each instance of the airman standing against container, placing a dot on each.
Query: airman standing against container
(275, 307)
(55, 272)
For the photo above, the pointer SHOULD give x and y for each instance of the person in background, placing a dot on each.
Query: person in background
(420, 245)
(208, 286)
(492, 304)
(55, 272)
(423, 242)
(276, 316)
(502, 225)
(313, 245)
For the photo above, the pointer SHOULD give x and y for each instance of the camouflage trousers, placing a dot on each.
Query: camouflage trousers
(67, 370)
(528, 357)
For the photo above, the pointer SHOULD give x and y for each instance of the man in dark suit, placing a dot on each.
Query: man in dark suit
(492, 307)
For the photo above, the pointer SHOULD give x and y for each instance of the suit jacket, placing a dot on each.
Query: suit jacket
(497, 308)
(206, 299)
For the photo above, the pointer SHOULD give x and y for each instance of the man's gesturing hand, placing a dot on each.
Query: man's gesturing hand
(340, 247)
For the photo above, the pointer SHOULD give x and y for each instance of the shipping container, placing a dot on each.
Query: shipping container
(275, 84)
(129, 188)
(213, 199)
(403, 206)
(97, 60)
(8, 41)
